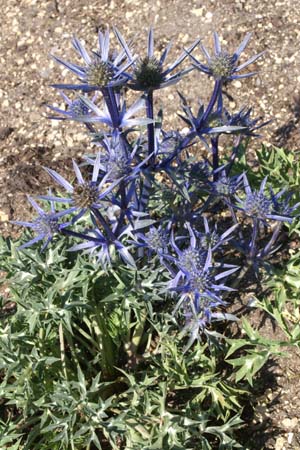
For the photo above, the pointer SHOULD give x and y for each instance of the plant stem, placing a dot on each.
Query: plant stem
(215, 96)
(215, 156)
(233, 154)
(150, 126)
(111, 103)
(252, 245)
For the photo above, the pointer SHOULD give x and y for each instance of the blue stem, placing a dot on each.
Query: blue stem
(110, 100)
(217, 92)
(150, 126)
(215, 156)
(252, 246)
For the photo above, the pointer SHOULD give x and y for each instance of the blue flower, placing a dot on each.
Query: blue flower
(46, 225)
(242, 119)
(257, 205)
(84, 195)
(120, 160)
(156, 240)
(200, 285)
(225, 187)
(223, 66)
(282, 206)
(103, 245)
(101, 70)
(216, 123)
(77, 109)
(212, 239)
(149, 72)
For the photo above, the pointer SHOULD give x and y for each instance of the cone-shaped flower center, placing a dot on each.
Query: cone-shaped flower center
(200, 281)
(192, 259)
(99, 73)
(85, 195)
(46, 224)
(148, 73)
(224, 186)
(209, 239)
(156, 239)
(78, 108)
(257, 205)
(221, 66)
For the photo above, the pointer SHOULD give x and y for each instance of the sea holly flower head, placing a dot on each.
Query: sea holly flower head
(103, 248)
(281, 203)
(223, 66)
(201, 283)
(120, 160)
(225, 186)
(258, 205)
(156, 240)
(84, 195)
(101, 70)
(212, 238)
(45, 226)
(190, 258)
(76, 109)
(216, 123)
(150, 73)
(243, 119)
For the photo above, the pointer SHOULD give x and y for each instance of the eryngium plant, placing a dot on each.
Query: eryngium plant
(161, 235)
(133, 169)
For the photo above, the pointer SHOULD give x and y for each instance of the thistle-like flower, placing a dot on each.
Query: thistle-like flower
(212, 239)
(119, 159)
(101, 70)
(257, 205)
(76, 109)
(243, 119)
(225, 187)
(201, 284)
(84, 195)
(46, 225)
(223, 66)
(149, 72)
(103, 248)
(156, 240)
(215, 124)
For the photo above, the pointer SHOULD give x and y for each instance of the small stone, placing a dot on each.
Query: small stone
(197, 12)
(208, 16)
(279, 444)
(290, 438)
(237, 84)
(290, 424)
(3, 216)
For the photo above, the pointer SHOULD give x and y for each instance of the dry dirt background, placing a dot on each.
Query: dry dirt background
(32, 29)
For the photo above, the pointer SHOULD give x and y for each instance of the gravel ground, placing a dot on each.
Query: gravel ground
(32, 29)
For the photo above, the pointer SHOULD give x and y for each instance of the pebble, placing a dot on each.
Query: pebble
(290, 424)
(198, 12)
(3, 216)
(279, 444)
(237, 84)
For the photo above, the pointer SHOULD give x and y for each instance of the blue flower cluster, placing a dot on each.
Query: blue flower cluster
(144, 197)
